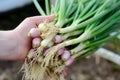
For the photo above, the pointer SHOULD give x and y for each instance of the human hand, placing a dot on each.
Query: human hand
(21, 32)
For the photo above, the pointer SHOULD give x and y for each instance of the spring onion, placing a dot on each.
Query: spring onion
(79, 29)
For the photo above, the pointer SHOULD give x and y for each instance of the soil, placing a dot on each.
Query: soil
(84, 69)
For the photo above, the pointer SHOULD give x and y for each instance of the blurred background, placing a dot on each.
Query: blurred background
(12, 12)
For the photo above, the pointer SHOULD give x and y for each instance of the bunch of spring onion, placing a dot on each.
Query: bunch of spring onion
(79, 28)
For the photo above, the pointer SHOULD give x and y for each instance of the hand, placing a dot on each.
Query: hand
(21, 32)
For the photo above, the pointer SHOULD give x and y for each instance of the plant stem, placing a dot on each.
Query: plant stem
(39, 8)
(91, 20)
(74, 33)
(47, 7)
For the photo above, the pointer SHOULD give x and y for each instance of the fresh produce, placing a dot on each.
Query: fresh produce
(79, 28)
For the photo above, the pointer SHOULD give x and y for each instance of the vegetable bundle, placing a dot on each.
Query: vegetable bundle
(79, 28)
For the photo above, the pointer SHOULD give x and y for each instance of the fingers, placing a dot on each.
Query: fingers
(31, 22)
(47, 18)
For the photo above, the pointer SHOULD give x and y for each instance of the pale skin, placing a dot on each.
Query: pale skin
(15, 44)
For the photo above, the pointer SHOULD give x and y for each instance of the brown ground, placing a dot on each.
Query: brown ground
(84, 69)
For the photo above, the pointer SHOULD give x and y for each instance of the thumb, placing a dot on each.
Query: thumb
(40, 19)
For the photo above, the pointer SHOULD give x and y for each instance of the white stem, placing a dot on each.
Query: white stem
(86, 35)
(67, 35)
(70, 28)
(109, 55)
(60, 23)
(78, 48)
(45, 42)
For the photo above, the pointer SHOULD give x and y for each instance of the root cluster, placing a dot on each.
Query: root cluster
(44, 67)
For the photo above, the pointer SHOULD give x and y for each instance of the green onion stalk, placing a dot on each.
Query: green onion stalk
(80, 27)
